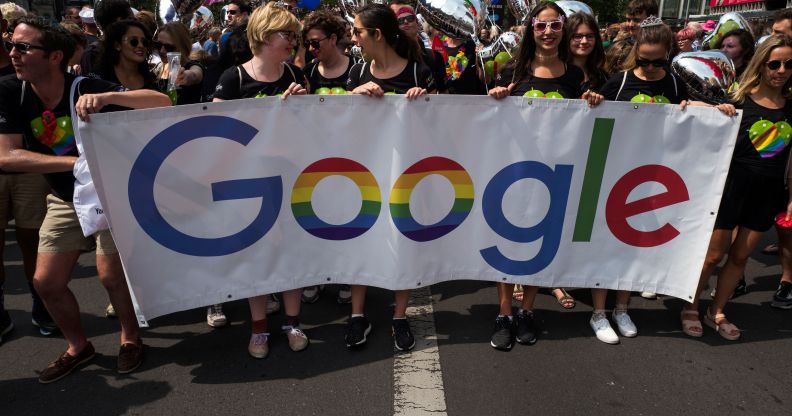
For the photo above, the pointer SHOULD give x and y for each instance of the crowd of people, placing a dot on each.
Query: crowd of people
(112, 58)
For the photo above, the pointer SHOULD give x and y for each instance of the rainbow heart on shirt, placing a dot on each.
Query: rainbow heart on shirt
(769, 139)
(55, 133)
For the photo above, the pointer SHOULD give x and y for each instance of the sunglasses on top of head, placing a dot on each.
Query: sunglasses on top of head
(540, 26)
(407, 19)
(21, 47)
(775, 65)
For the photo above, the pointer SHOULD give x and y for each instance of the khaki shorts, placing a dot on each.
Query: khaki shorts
(24, 198)
(61, 232)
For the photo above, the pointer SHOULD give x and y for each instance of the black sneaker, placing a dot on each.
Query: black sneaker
(526, 330)
(41, 319)
(503, 336)
(6, 325)
(402, 336)
(741, 289)
(357, 331)
(783, 296)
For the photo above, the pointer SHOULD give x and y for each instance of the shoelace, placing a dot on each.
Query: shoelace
(217, 310)
(260, 339)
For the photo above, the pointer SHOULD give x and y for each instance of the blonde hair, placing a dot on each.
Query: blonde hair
(267, 20)
(753, 72)
(11, 11)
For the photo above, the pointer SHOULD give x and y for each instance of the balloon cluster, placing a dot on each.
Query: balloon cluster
(455, 18)
(181, 10)
(497, 54)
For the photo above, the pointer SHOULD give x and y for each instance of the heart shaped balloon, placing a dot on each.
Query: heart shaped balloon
(708, 75)
(728, 22)
(455, 18)
(572, 7)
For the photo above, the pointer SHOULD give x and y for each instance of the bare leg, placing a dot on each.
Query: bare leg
(358, 299)
(291, 302)
(718, 246)
(111, 274)
(732, 271)
(402, 298)
(52, 283)
(529, 296)
(505, 291)
(258, 307)
(598, 297)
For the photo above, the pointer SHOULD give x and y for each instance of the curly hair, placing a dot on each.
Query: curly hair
(326, 21)
(111, 55)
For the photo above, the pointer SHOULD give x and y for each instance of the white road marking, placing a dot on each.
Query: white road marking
(417, 377)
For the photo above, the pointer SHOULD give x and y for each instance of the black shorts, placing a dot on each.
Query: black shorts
(750, 200)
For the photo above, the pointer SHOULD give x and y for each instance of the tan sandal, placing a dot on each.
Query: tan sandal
(691, 327)
(518, 293)
(725, 329)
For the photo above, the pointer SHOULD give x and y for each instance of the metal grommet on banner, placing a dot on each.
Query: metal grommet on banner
(504, 279)
(205, 107)
(596, 284)
(530, 102)
(419, 283)
(635, 107)
(328, 279)
(321, 100)
(229, 296)
(427, 99)
(712, 213)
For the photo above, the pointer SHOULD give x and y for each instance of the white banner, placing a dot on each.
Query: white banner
(210, 203)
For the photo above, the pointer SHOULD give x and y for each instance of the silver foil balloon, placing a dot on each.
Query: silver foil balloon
(170, 10)
(728, 22)
(761, 40)
(708, 75)
(455, 18)
(350, 7)
(507, 42)
(572, 7)
(521, 9)
(202, 18)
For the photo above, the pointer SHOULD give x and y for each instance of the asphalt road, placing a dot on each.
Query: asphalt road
(193, 369)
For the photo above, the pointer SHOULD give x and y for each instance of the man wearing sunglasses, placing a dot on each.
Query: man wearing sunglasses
(237, 12)
(37, 135)
(408, 23)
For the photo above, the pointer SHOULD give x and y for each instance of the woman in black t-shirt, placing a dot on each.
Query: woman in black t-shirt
(124, 58)
(539, 71)
(174, 37)
(755, 187)
(272, 32)
(586, 50)
(396, 66)
(646, 78)
(321, 32)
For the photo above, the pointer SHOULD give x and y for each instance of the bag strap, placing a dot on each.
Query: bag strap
(72, 92)
(621, 87)
(239, 72)
(415, 73)
(22, 97)
(291, 71)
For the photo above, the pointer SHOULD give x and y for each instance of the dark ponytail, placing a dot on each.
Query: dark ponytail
(379, 16)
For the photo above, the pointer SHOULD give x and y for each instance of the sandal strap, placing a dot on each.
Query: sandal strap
(690, 312)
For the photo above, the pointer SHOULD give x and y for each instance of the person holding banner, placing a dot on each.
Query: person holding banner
(395, 68)
(36, 135)
(586, 50)
(322, 31)
(272, 33)
(754, 196)
(540, 70)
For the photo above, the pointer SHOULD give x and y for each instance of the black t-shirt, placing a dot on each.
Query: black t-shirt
(434, 60)
(90, 59)
(7, 70)
(316, 80)
(669, 87)
(109, 75)
(49, 133)
(595, 81)
(413, 75)
(569, 85)
(190, 94)
(463, 79)
(764, 137)
(231, 87)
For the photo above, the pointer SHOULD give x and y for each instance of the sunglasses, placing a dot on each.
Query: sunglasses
(168, 48)
(135, 41)
(313, 43)
(578, 37)
(22, 48)
(541, 26)
(657, 63)
(410, 18)
(776, 65)
(358, 30)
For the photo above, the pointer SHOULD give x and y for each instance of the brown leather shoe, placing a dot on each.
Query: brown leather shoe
(130, 356)
(65, 364)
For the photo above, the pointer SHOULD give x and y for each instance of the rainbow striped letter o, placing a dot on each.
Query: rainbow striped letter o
(402, 189)
(303, 192)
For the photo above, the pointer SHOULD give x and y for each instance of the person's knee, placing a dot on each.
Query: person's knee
(49, 285)
(713, 258)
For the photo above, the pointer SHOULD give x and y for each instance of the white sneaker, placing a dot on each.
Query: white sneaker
(649, 295)
(603, 331)
(625, 324)
(273, 305)
(215, 316)
(258, 346)
(298, 341)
